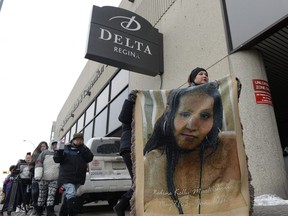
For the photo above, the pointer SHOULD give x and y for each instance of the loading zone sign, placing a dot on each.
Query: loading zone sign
(262, 92)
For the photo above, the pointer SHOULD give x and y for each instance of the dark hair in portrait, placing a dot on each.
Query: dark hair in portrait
(163, 138)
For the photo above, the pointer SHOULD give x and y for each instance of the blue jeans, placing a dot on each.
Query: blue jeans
(70, 190)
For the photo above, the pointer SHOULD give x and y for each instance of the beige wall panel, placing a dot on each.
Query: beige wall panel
(260, 129)
(190, 42)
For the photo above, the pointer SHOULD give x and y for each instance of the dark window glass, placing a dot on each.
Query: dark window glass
(119, 82)
(115, 108)
(100, 124)
(72, 131)
(90, 113)
(67, 137)
(80, 123)
(88, 132)
(105, 147)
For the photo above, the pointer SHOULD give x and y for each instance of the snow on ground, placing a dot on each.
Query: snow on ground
(269, 200)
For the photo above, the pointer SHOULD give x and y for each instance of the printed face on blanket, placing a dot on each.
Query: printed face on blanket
(190, 166)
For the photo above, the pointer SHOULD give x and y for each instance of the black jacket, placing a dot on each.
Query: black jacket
(126, 116)
(73, 164)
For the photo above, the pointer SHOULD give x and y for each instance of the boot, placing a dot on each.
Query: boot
(63, 210)
(121, 206)
(39, 210)
(71, 204)
(50, 211)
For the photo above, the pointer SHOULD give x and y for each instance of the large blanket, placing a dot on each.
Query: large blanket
(188, 152)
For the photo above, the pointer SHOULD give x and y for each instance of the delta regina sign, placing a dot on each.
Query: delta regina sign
(126, 40)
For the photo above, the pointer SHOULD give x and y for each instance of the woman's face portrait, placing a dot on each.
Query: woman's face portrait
(193, 120)
(25, 171)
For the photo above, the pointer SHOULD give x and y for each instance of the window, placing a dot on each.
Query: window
(100, 107)
(90, 113)
(72, 131)
(88, 132)
(80, 123)
(102, 99)
(67, 137)
(100, 124)
(119, 82)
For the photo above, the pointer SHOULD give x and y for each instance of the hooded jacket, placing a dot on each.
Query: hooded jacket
(73, 163)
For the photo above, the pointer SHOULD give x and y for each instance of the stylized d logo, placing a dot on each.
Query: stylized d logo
(129, 23)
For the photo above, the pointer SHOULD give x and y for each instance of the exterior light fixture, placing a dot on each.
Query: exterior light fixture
(87, 93)
(29, 142)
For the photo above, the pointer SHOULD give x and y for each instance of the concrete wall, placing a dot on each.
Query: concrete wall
(188, 41)
(261, 136)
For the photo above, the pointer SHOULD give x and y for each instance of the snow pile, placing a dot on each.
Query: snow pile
(269, 200)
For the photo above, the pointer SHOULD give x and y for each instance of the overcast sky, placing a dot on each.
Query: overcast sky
(42, 49)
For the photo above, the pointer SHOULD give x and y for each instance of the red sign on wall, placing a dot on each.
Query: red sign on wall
(262, 92)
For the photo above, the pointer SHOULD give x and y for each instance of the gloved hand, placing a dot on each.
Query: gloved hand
(132, 95)
(2, 197)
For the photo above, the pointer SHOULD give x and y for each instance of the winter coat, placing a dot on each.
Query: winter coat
(7, 184)
(126, 116)
(73, 163)
(45, 167)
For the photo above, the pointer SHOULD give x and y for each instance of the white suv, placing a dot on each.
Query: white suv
(107, 176)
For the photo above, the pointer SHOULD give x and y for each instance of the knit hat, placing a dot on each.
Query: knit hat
(53, 142)
(77, 135)
(194, 73)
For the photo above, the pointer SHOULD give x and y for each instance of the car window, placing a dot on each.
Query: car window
(105, 147)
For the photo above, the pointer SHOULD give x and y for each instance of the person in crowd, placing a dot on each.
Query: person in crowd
(125, 117)
(46, 173)
(73, 161)
(43, 145)
(188, 161)
(26, 168)
(7, 184)
(198, 76)
(26, 171)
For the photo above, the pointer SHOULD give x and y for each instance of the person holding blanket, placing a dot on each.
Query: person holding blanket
(198, 76)
(190, 165)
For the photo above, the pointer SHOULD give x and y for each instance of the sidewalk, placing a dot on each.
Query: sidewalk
(270, 205)
(278, 210)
